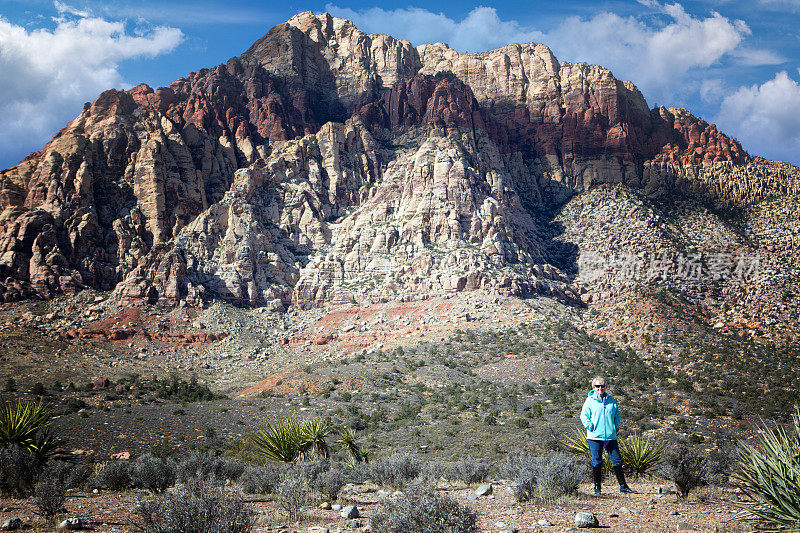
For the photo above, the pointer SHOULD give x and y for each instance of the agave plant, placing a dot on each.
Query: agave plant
(769, 472)
(26, 424)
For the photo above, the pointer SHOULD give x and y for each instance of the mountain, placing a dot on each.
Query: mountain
(326, 166)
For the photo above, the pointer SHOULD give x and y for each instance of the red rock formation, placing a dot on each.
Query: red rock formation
(451, 150)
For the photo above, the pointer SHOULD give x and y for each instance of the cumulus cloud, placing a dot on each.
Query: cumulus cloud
(765, 117)
(481, 30)
(49, 73)
(655, 55)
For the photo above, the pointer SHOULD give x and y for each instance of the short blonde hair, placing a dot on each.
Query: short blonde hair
(600, 379)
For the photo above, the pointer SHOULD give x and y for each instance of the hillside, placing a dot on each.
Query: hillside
(286, 222)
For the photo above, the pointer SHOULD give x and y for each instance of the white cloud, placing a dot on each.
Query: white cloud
(781, 5)
(481, 30)
(754, 58)
(712, 89)
(655, 56)
(48, 74)
(765, 118)
(63, 8)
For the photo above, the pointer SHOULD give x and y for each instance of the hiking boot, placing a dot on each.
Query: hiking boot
(597, 476)
(623, 487)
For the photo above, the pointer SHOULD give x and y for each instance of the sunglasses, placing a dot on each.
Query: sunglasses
(600, 386)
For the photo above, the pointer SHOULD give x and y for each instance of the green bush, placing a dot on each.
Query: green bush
(177, 389)
(769, 472)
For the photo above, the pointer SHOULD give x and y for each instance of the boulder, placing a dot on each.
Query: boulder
(583, 519)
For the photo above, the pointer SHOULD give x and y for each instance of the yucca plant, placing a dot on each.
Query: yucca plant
(280, 442)
(313, 434)
(349, 442)
(26, 424)
(291, 440)
(639, 456)
(769, 472)
(578, 444)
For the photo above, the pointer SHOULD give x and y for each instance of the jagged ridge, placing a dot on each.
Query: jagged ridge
(325, 164)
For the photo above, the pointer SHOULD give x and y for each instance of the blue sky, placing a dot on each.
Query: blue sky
(734, 63)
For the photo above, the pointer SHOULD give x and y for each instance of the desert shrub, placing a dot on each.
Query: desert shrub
(261, 480)
(309, 470)
(423, 511)
(233, 468)
(115, 475)
(330, 483)
(200, 506)
(51, 492)
(542, 477)
(395, 470)
(469, 470)
(358, 473)
(208, 466)
(721, 465)
(156, 474)
(19, 468)
(79, 475)
(176, 389)
(292, 493)
(686, 467)
(769, 472)
(432, 470)
(69, 474)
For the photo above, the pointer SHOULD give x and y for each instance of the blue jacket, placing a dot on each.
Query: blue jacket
(601, 418)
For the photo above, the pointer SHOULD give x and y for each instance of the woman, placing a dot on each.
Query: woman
(601, 418)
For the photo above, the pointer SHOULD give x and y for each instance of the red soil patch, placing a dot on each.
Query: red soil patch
(129, 323)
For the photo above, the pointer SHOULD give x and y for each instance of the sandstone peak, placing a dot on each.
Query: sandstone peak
(325, 165)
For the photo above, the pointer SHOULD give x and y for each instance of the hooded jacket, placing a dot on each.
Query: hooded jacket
(601, 418)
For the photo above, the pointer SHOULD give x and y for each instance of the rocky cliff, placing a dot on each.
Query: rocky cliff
(327, 165)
